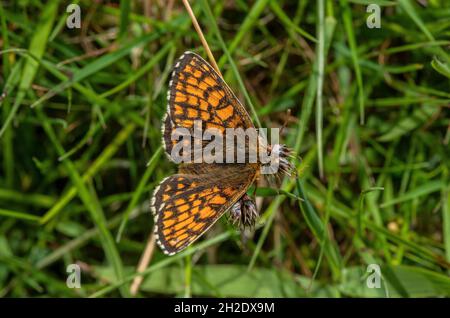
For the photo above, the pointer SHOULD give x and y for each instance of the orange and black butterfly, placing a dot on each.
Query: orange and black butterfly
(187, 204)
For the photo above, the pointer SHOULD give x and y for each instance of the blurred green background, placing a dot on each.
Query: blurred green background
(81, 113)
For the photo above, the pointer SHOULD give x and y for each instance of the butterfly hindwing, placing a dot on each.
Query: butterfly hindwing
(187, 204)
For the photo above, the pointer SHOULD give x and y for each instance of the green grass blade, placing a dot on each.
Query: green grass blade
(320, 55)
(139, 191)
(141, 72)
(246, 27)
(18, 215)
(37, 47)
(125, 9)
(446, 218)
(347, 17)
(288, 23)
(106, 155)
(441, 67)
(422, 190)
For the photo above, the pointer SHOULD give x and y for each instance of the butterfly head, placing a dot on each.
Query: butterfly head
(282, 155)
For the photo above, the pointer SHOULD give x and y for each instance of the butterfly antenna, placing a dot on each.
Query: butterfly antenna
(285, 121)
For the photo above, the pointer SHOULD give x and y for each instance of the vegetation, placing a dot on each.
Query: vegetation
(369, 114)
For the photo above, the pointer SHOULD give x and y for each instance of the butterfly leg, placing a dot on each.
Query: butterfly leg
(243, 213)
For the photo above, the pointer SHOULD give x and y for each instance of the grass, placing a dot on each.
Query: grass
(369, 115)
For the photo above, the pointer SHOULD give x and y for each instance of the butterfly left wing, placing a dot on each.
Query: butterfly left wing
(187, 204)
(197, 92)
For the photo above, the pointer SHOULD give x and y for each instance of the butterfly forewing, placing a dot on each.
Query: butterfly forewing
(197, 92)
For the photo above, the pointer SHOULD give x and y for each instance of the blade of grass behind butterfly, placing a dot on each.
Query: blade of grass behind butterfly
(137, 193)
(215, 29)
(88, 197)
(348, 25)
(37, 47)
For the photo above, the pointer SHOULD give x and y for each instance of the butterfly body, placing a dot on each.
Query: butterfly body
(187, 204)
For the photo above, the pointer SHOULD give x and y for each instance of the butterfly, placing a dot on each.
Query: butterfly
(185, 205)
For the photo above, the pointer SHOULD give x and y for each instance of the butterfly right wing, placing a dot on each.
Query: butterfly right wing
(185, 205)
